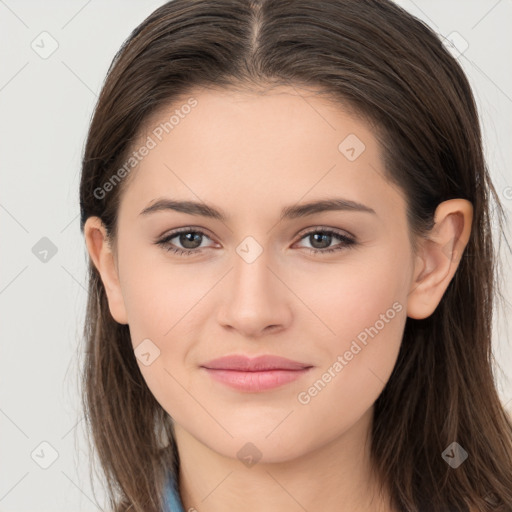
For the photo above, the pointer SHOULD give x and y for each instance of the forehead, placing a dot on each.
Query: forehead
(277, 146)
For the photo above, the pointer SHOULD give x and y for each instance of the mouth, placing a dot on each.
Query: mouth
(255, 374)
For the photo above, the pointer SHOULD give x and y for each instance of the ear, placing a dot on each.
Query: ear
(103, 258)
(439, 256)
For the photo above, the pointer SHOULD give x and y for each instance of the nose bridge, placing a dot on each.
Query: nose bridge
(251, 267)
(256, 298)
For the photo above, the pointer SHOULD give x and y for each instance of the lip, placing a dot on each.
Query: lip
(254, 364)
(255, 374)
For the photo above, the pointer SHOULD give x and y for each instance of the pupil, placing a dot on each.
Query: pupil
(187, 238)
(321, 235)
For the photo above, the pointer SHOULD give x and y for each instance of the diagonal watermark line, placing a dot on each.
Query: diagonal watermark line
(490, 79)
(74, 278)
(424, 13)
(216, 486)
(279, 423)
(305, 193)
(301, 300)
(198, 301)
(376, 375)
(72, 428)
(12, 280)
(486, 14)
(508, 407)
(12, 12)
(227, 227)
(76, 14)
(14, 218)
(295, 89)
(14, 486)
(95, 504)
(14, 76)
(69, 223)
(79, 78)
(300, 504)
(194, 398)
(14, 424)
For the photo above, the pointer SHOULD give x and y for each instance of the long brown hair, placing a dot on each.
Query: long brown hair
(393, 70)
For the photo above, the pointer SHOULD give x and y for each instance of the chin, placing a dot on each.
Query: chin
(252, 447)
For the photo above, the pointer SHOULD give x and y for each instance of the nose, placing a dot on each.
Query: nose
(256, 300)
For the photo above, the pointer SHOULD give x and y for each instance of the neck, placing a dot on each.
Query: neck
(334, 477)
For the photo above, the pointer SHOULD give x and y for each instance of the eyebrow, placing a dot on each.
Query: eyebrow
(289, 212)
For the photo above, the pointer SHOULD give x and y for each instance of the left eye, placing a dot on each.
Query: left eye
(190, 238)
(192, 241)
(327, 235)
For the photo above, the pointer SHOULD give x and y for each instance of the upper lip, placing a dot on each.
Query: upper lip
(261, 363)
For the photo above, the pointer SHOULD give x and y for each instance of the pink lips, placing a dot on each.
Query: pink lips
(255, 374)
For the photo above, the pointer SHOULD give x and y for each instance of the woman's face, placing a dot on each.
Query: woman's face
(252, 285)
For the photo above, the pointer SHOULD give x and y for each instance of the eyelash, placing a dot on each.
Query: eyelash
(165, 242)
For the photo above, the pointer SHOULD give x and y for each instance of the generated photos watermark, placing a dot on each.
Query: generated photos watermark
(151, 142)
(305, 397)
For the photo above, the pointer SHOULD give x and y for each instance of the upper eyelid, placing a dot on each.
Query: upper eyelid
(178, 231)
(338, 231)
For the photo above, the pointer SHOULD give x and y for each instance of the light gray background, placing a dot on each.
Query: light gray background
(45, 108)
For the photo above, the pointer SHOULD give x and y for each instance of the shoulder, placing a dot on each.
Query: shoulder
(172, 497)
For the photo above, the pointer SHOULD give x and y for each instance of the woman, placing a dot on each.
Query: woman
(292, 272)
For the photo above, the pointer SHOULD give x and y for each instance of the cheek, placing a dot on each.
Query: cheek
(159, 295)
(362, 307)
(368, 319)
(348, 297)
(163, 304)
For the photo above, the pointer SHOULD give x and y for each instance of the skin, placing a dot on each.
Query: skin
(250, 155)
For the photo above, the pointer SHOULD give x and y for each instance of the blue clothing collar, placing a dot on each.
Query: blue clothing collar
(172, 497)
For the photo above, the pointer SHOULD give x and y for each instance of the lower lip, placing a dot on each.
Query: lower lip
(256, 381)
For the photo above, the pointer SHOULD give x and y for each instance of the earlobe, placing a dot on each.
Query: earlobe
(438, 256)
(103, 259)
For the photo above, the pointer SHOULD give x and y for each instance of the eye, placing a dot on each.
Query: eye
(321, 238)
(191, 240)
